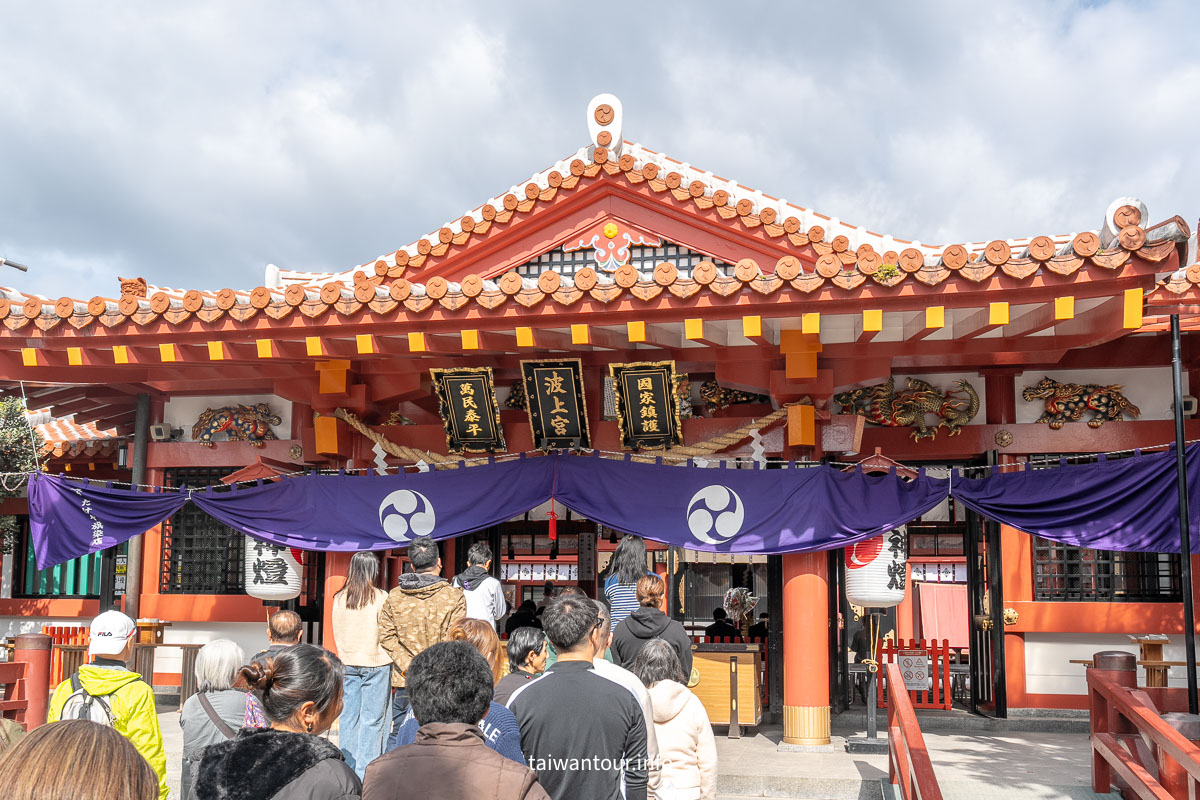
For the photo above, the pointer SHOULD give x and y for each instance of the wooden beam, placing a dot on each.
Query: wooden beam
(869, 325)
(663, 336)
(396, 388)
(694, 330)
(922, 325)
(996, 315)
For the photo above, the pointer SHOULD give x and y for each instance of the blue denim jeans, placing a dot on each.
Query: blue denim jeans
(362, 726)
(400, 706)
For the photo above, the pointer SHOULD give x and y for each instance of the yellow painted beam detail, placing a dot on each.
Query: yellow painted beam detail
(1064, 308)
(1133, 309)
(752, 327)
(416, 342)
(524, 336)
(693, 329)
(120, 354)
(29, 356)
(935, 317)
(579, 334)
(872, 320)
(801, 426)
(75, 356)
(470, 339)
(635, 331)
(166, 353)
(365, 343)
(264, 348)
(997, 313)
(312, 346)
(216, 351)
(810, 323)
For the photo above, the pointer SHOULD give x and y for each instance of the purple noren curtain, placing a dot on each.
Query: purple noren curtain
(1128, 504)
(71, 518)
(743, 510)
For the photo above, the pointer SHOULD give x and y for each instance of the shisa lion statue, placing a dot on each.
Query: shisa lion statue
(1068, 402)
(881, 404)
(243, 424)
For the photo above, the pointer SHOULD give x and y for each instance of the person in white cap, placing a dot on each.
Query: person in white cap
(108, 692)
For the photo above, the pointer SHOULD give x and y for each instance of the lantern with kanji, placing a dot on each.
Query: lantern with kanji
(272, 572)
(875, 570)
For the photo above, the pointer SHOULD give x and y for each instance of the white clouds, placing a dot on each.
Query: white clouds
(194, 145)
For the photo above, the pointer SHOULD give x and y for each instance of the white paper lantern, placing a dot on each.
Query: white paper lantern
(875, 570)
(272, 572)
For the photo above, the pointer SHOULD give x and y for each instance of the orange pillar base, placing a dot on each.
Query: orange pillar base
(805, 649)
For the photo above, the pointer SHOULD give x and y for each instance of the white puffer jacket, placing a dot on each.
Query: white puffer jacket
(686, 743)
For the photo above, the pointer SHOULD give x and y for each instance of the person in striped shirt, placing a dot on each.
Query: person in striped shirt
(620, 587)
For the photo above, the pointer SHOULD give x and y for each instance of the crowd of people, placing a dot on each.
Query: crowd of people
(591, 701)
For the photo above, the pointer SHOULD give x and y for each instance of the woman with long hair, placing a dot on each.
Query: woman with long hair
(302, 697)
(362, 728)
(686, 746)
(620, 586)
(76, 760)
(500, 729)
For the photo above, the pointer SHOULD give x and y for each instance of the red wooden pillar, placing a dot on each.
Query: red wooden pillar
(337, 566)
(906, 612)
(805, 649)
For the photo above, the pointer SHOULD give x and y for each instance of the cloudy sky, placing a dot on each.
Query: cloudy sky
(194, 145)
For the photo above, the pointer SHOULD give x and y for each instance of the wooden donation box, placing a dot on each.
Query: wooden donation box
(729, 683)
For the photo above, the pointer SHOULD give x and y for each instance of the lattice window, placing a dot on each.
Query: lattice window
(1080, 574)
(641, 257)
(199, 554)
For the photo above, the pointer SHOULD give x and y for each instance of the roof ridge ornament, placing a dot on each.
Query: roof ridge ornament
(1121, 213)
(604, 119)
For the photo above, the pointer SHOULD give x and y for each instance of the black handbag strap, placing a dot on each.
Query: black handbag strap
(222, 726)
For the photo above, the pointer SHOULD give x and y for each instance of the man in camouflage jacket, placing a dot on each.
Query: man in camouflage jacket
(417, 613)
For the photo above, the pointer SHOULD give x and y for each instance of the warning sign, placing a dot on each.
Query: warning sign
(914, 666)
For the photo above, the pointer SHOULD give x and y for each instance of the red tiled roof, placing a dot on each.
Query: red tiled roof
(818, 252)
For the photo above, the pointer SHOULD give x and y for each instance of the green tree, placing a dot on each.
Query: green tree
(18, 444)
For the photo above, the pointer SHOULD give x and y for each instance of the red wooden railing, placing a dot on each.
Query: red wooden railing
(940, 694)
(13, 699)
(908, 759)
(64, 634)
(1122, 720)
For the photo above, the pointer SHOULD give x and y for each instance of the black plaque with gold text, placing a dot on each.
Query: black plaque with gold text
(647, 412)
(556, 405)
(467, 403)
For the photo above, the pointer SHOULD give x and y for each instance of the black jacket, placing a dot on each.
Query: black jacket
(509, 684)
(265, 764)
(724, 628)
(643, 625)
(520, 619)
(577, 729)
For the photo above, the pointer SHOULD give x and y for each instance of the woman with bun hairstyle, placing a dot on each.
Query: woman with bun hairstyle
(649, 622)
(301, 696)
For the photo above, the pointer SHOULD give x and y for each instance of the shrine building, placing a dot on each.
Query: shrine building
(783, 334)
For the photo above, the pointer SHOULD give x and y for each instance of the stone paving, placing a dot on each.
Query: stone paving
(969, 765)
